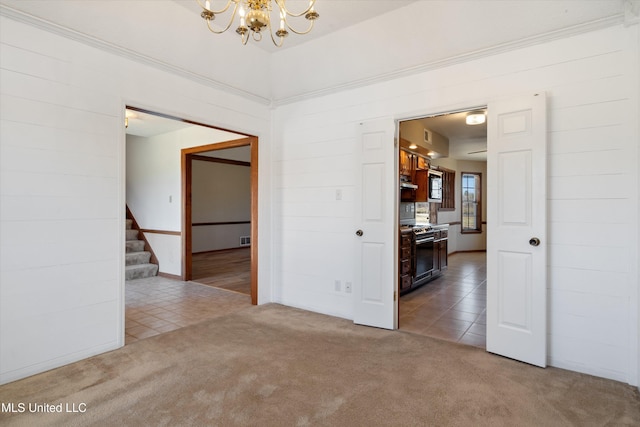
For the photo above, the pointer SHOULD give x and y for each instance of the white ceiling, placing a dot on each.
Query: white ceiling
(466, 142)
(353, 41)
(334, 15)
(148, 125)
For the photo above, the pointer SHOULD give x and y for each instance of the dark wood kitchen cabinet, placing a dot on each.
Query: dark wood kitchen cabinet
(422, 181)
(406, 259)
(406, 163)
(440, 248)
(421, 163)
(444, 247)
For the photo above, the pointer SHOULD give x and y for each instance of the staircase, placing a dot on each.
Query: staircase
(137, 261)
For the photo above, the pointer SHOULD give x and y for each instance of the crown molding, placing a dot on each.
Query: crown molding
(631, 12)
(458, 59)
(629, 17)
(83, 38)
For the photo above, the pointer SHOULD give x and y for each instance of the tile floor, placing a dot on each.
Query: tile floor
(157, 304)
(452, 307)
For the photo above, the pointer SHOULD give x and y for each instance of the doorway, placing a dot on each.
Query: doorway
(188, 157)
(162, 303)
(452, 305)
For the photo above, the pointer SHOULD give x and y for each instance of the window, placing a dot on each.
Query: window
(471, 202)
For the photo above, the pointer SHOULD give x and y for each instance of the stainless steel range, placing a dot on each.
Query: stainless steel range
(424, 239)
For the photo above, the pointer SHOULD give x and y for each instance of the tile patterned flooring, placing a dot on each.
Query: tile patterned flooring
(157, 304)
(453, 306)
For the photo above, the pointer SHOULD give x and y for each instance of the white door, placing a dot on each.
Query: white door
(516, 229)
(375, 232)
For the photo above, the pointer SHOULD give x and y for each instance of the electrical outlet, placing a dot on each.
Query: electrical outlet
(347, 287)
(338, 285)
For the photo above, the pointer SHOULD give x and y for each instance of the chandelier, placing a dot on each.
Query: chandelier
(255, 17)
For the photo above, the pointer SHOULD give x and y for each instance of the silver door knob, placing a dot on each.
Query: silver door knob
(359, 233)
(534, 241)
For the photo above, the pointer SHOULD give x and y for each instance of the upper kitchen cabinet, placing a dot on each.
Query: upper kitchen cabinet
(422, 181)
(422, 163)
(406, 163)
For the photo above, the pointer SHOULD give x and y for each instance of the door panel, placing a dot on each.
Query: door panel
(516, 209)
(515, 188)
(513, 292)
(375, 270)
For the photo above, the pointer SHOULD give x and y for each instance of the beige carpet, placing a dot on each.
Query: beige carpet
(277, 366)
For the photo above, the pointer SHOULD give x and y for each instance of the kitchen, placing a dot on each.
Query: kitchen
(442, 239)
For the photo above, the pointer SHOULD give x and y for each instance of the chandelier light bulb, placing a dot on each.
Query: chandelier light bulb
(255, 18)
(242, 14)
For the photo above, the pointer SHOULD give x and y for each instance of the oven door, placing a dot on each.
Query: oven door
(424, 258)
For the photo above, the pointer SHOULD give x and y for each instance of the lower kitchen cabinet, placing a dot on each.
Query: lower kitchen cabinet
(406, 260)
(444, 246)
(415, 272)
(440, 250)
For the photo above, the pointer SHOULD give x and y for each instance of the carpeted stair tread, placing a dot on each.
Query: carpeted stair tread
(134, 246)
(137, 260)
(141, 257)
(132, 234)
(140, 271)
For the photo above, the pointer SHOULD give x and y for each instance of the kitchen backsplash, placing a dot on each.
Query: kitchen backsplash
(422, 212)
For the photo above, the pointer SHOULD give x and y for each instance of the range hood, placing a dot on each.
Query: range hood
(408, 185)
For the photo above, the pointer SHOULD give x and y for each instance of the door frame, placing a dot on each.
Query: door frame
(457, 108)
(246, 139)
(186, 161)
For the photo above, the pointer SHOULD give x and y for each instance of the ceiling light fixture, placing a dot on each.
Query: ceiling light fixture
(476, 118)
(255, 16)
(128, 114)
(413, 146)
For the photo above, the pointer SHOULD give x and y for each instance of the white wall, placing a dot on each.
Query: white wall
(592, 86)
(62, 189)
(411, 36)
(63, 104)
(220, 193)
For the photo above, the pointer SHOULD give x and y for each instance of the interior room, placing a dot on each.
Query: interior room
(318, 90)
(442, 221)
(220, 207)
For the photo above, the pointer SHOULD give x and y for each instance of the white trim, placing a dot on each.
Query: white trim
(60, 30)
(627, 18)
(631, 12)
(466, 57)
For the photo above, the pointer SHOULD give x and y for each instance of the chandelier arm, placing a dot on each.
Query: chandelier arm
(284, 9)
(299, 32)
(216, 12)
(273, 38)
(233, 15)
